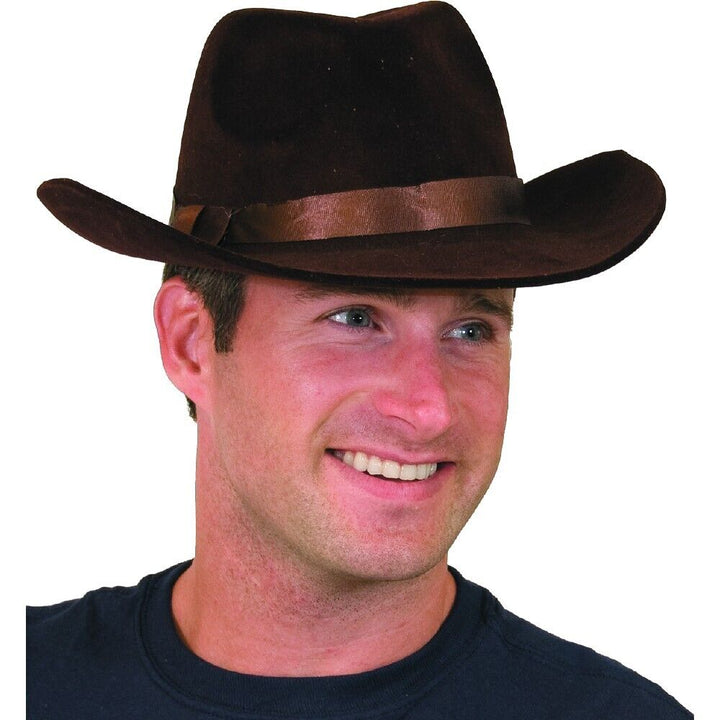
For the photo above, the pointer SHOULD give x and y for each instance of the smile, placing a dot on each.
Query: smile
(390, 469)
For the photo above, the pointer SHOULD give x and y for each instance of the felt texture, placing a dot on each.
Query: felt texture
(287, 105)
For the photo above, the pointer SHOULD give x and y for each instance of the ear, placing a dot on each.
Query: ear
(185, 331)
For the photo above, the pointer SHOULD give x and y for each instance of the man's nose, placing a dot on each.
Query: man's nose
(416, 391)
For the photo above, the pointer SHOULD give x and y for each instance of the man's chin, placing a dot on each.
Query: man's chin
(389, 565)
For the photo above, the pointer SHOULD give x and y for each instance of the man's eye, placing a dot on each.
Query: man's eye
(471, 332)
(352, 317)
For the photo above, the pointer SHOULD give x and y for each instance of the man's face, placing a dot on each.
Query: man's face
(354, 432)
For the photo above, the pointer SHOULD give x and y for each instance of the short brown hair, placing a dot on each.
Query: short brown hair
(223, 294)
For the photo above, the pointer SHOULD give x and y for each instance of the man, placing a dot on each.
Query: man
(348, 193)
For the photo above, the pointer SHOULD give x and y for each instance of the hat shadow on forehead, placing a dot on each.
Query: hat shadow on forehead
(372, 149)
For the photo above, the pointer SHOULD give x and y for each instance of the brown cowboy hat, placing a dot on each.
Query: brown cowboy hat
(372, 149)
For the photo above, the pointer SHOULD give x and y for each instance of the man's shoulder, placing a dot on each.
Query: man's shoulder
(101, 615)
(84, 651)
(533, 666)
(92, 607)
(111, 608)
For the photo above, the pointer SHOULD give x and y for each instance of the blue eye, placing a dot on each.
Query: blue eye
(352, 317)
(474, 332)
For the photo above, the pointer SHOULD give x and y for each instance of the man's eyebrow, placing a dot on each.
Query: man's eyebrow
(480, 302)
(466, 302)
(400, 297)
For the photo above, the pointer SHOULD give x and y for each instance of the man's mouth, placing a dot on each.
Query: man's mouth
(390, 469)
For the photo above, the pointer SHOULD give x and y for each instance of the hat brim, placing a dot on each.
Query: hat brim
(584, 218)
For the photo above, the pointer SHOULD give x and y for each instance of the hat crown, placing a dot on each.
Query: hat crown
(290, 104)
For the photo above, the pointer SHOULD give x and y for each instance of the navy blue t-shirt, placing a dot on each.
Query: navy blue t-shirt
(115, 653)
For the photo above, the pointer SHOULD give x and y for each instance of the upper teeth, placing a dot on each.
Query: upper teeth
(390, 469)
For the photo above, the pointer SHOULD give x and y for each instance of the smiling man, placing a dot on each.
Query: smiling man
(338, 459)
(347, 234)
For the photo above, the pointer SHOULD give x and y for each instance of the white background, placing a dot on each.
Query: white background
(602, 523)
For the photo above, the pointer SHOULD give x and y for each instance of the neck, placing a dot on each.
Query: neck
(249, 625)
(244, 606)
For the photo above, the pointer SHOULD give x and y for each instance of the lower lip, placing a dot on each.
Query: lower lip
(394, 490)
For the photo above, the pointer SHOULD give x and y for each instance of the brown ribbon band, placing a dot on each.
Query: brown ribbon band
(375, 211)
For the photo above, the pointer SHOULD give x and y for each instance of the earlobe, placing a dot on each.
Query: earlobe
(185, 334)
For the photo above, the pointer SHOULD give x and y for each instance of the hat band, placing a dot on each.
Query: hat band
(433, 205)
